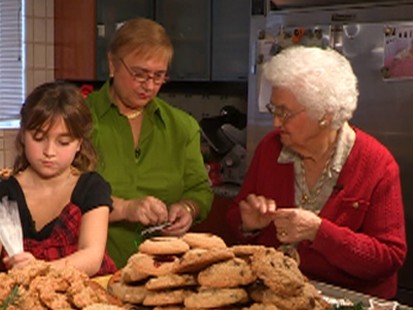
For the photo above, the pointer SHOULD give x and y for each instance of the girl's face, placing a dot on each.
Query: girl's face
(50, 151)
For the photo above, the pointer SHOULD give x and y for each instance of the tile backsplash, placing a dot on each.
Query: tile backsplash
(7, 150)
(39, 42)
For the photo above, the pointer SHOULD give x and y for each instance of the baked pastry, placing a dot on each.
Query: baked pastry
(216, 297)
(197, 259)
(170, 281)
(163, 246)
(141, 264)
(167, 297)
(307, 299)
(279, 272)
(243, 250)
(134, 294)
(230, 273)
(203, 240)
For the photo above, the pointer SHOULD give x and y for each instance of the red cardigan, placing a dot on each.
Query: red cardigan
(361, 242)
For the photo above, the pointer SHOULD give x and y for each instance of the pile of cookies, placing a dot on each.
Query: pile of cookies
(40, 285)
(199, 271)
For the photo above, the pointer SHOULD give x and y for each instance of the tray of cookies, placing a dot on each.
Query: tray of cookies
(199, 271)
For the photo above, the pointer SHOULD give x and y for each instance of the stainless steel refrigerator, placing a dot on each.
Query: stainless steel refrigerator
(377, 38)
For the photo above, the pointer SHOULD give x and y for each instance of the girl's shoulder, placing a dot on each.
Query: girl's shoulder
(91, 191)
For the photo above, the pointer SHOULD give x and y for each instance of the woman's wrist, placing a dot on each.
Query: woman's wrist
(190, 207)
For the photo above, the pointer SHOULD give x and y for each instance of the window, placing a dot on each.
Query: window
(11, 58)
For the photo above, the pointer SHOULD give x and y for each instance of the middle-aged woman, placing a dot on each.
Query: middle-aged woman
(320, 185)
(149, 151)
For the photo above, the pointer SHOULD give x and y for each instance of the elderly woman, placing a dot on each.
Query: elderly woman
(317, 184)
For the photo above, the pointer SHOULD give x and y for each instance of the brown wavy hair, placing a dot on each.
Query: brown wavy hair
(42, 108)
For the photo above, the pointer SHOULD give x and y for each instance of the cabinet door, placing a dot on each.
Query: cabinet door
(109, 15)
(188, 24)
(230, 40)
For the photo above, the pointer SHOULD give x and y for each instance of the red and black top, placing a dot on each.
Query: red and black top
(59, 238)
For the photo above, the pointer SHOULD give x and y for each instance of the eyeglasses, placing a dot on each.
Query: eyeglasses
(142, 76)
(281, 113)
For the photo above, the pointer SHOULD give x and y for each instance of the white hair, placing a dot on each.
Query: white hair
(322, 80)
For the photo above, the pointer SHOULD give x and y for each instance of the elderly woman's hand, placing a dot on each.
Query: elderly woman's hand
(256, 212)
(295, 225)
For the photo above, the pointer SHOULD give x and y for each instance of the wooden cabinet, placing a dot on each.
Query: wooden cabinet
(75, 39)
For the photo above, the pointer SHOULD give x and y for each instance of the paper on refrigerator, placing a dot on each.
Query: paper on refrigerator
(264, 87)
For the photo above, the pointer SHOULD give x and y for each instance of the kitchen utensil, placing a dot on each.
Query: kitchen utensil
(154, 228)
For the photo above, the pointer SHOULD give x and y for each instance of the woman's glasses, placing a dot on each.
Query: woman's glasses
(282, 114)
(141, 75)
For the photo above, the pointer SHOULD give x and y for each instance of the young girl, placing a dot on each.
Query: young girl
(64, 206)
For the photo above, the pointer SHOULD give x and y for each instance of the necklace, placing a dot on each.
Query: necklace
(134, 114)
(310, 197)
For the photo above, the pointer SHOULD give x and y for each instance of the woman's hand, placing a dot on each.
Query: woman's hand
(256, 212)
(294, 225)
(19, 260)
(148, 211)
(181, 216)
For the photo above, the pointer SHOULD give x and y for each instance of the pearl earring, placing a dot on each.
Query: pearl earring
(322, 123)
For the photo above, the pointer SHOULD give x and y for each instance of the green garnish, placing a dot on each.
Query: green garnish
(12, 298)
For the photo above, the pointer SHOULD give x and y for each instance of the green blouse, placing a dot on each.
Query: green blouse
(168, 163)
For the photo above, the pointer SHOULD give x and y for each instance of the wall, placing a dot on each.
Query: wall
(39, 45)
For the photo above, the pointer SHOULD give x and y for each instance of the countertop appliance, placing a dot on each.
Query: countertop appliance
(371, 35)
(225, 134)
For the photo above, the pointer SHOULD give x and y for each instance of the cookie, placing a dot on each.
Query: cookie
(171, 281)
(102, 307)
(279, 272)
(246, 249)
(197, 259)
(216, 297)
(132, 272)
(167, 297)
(163, 246)
(127, 293)
(256, 291)
(140, 264)
(203, 240)
(230, 273)
(307, 299)
(258, 306)
(291, 251)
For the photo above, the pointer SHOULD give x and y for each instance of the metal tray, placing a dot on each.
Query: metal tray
(337, 292)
